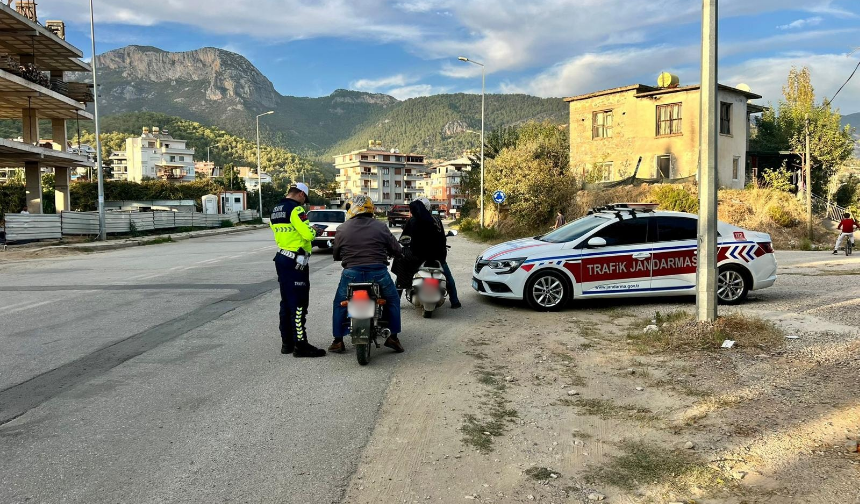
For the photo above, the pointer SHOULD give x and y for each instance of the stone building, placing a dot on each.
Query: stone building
(611, 129)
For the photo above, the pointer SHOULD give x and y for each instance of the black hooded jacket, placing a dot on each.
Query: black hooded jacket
(429, 242)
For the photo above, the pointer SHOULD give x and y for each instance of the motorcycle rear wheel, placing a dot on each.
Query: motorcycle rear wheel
(428, 314)
(362, 353)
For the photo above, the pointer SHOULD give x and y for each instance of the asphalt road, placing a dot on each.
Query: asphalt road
(153, 374)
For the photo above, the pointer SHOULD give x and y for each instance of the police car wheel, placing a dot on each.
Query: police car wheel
(732, 285)
(547, 291)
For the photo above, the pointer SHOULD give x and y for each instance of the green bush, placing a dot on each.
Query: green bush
(674, 198)
(781, 217)
(779, 179)
(469, 225)
(226, 223)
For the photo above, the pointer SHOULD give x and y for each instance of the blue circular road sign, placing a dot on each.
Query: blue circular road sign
(499, 197)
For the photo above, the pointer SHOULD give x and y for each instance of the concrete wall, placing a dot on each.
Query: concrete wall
(634, 134)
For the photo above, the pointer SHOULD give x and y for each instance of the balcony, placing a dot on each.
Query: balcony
(19, 94)
(414, 190)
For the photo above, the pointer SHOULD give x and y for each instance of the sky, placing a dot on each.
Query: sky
(548, 48)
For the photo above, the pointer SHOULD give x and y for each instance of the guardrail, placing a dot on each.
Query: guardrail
(30, 227)
(827, 208)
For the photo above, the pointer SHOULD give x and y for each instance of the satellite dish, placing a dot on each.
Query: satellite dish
(744, 87)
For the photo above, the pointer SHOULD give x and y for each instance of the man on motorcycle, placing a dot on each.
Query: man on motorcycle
(363, 245)
(429, 243)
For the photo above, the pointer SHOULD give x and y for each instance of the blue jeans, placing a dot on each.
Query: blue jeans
(361, 274)
(452, 287)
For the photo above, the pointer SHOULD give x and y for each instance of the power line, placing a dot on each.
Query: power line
(846, 83)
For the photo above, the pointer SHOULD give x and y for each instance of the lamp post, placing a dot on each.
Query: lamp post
(483, 80)
(259, 169)
(100, 171)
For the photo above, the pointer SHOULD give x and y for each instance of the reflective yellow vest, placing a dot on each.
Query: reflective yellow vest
(290, 225)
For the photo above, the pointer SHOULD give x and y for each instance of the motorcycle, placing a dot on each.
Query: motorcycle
(365, 305)
(429, 287)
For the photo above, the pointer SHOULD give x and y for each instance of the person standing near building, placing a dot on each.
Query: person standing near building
(294, 235)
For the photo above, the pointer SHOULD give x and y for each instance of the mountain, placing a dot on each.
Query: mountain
(223, 89)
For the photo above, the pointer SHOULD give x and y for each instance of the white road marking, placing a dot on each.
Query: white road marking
(23, 308)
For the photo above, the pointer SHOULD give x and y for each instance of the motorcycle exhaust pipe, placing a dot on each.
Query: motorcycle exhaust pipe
(386, 333)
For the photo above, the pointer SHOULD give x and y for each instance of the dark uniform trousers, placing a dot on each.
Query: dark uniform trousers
(295, 296)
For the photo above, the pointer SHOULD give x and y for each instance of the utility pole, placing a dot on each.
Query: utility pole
(100, 173)
(706, 271)
(808, 170)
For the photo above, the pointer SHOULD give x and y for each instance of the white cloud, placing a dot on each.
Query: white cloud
(766, 77)
(406, 92)
(801, 23)
(374, 85)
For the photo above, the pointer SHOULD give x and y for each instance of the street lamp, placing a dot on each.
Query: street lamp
(100, 171)
(483, 80)
(259, 169)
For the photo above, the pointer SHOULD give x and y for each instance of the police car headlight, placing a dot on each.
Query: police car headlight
(504, 266)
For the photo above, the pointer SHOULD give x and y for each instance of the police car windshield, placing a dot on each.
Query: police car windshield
(326, 216)
(575, 230)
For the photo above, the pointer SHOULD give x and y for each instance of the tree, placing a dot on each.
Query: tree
(534, 173)
(784, 128)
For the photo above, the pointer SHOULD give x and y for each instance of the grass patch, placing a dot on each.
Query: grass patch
(157, 241)
(680, 331)
(608, 410)
(541, 473)
(645, 464)
(479, 432)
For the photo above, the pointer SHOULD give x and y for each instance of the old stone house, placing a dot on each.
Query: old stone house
(611, 129)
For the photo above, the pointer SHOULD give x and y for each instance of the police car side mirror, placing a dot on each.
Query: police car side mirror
(596, 242)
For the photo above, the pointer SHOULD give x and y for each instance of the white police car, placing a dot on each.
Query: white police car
(622, 250)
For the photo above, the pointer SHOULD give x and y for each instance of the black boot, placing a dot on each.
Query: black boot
(287, 348)
(305, 349)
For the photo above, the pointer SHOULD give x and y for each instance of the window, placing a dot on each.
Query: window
(575, 230)
(664, 167)
(398, 196)
(398, 183)
(627, 232)
(237, 200)
(182, 158)
(398, 171)
(604, 169)
(601, 124)
(736, 166)
(386, 183)
(166, 146)
(386, 158)
(669, 119)
(677, 228)
(326, 216)
(386, 196)
(172, 159)
(725, 118)
(385, 171)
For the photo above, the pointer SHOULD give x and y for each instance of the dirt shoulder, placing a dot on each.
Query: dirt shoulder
(518, 406)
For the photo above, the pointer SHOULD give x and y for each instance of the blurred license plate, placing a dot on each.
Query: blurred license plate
(475, 284)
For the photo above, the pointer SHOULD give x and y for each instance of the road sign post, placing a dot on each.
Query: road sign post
(499, 197)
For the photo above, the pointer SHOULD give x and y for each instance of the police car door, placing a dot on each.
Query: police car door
(621, 267)
(674, 263)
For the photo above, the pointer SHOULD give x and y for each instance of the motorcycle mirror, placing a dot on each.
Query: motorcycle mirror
(451, 233)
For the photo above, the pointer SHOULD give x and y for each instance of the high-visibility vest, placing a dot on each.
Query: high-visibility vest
(290, 225)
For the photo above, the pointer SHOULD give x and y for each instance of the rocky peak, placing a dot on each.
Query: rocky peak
(220, 74)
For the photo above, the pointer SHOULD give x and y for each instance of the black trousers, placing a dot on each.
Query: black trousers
(295, 296)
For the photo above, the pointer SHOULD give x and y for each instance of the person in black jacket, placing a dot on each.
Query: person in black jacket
(429, 243)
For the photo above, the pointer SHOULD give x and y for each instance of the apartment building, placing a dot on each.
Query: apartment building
(155, 154)
(443, 186)
(387, 176)
(611, 129)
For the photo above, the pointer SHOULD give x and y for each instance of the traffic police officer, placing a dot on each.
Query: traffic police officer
(294, 236)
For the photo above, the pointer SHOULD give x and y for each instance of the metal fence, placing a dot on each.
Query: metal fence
(27, 227)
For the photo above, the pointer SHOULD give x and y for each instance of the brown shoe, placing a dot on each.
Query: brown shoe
(393, 343)
(337, 346)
